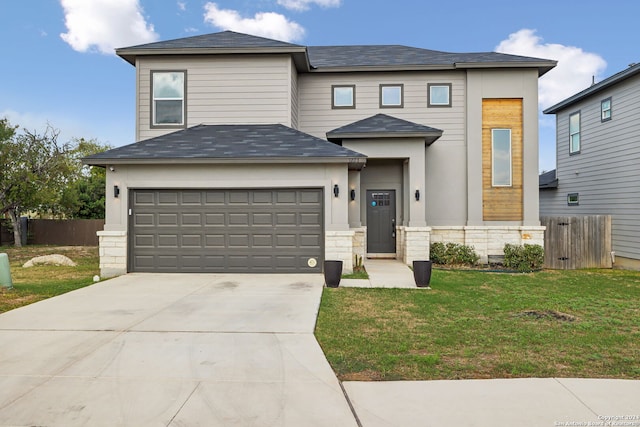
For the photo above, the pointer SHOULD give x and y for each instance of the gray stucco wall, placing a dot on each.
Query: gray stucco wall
(482, 84)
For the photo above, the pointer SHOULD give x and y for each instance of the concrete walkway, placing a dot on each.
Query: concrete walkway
(171, 350)
(534, 402)
(383, 273)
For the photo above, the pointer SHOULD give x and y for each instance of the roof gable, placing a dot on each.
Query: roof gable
(384, 126)
(219, 143)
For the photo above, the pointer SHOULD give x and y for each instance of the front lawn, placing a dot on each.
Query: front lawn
(40, 282)
(472, 324)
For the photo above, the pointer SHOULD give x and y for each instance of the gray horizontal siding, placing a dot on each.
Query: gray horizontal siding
(606, 172)
(222, 90)
(317, 117)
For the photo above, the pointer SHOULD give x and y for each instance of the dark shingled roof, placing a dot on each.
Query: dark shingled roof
(224, 39)
(547, 180)
(228, 142)
(388, 55)
(382, 125)
(334, 58)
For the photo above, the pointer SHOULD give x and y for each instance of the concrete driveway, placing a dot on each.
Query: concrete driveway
(171, 350)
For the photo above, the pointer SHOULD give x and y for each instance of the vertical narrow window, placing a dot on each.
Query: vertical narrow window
(168, 102)
(501, 157)
(439, 94)
(343, 96)
(391, 96)
(605, 110)
(573, 199)
(574, 133)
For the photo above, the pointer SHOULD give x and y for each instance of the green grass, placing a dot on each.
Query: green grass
(487, 325)
(362, 274)
(41, 282)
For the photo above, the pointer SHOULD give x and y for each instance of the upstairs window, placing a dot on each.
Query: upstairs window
(605, 110)
(343, 96)
(501, 157)
(168, 103)
(391, 96)
(573, 199)
(439, 94)
(574, 133)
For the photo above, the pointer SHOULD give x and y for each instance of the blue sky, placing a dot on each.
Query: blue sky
(58, 64)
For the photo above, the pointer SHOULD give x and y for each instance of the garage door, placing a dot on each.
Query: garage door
(255, 231)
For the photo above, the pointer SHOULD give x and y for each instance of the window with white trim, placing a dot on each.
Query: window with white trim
(439, 94)
(501, 157)
(605, 110)
(168, 100)
(573, 199)
(391, 96)
(343, 96)
(574, 133)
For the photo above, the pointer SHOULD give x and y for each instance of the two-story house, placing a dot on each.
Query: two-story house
(598, 160)
(256, 155)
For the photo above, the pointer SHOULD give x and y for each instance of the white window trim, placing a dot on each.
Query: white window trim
(182, 124)
(602, 110)
(579, 133)
(493, 171)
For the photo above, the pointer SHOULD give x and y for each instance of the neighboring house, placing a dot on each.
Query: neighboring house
(598, 160)
(256, 155)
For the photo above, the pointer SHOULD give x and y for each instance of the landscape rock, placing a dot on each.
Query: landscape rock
(55, 259)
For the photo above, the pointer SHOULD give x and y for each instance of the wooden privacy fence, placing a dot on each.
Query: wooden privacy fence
(572, 242)
(63, 232)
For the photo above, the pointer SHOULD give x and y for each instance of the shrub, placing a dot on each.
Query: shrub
(453, 254)
(523, 258)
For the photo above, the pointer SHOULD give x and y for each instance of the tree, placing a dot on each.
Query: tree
(84, 196)
(34, 170)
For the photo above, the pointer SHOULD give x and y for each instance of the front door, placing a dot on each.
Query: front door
(381, 221)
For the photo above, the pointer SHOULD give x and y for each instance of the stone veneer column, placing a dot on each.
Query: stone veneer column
(338, 245)
(416, 244)
(113, 253)
(360, 242)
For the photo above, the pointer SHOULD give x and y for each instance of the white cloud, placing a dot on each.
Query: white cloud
(265, 24)
(573, 73)
(182, 6)
(306, 4)
(103, 25)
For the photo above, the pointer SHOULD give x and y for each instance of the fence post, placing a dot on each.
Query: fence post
(5, 273)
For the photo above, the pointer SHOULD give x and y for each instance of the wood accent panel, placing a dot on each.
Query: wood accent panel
(502, 203)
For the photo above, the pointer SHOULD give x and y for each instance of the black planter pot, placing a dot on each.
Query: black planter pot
(332, 273)
(422, 273)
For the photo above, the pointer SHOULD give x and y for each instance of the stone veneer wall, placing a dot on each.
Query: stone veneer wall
(413, 243)
(338, 245)
(489, 240)
(360, 242)
(113, 253)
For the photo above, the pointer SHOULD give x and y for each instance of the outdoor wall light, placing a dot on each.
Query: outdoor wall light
(353, 194)
(116, 191)
(336, 190)
(417, 195)
(112, 169)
